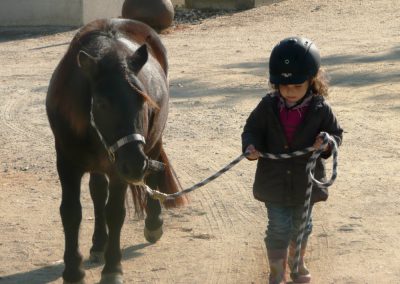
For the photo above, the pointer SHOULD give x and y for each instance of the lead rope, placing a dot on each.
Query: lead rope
(326, 138)
(323, 185)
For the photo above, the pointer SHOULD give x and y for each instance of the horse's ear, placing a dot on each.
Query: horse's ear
(138, 59)
(87, 63)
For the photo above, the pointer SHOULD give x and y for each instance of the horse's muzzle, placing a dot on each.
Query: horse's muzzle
(135, 172)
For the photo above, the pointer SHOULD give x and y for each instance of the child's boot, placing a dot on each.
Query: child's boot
(277, 265)
(303, 275)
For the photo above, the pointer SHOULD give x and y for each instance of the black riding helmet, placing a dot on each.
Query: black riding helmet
(293, 61)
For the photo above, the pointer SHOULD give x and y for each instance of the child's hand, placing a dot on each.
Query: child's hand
(252, 153)
(318, 142)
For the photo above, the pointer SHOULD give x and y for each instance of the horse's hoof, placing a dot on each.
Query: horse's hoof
(153, 236)
(79, 282)
(79, 274)
(112, 278)
(96, 256)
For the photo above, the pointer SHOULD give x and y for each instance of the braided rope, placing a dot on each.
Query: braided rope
(326, 138)
(306, 209)
(163, 196)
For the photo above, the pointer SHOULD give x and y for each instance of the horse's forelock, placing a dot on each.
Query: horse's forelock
(144, 95)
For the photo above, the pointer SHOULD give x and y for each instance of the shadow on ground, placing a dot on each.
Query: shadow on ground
(51, 273)
(21, 33)
(195, 89)
(338, 78)
(391, 55)
(365, 78)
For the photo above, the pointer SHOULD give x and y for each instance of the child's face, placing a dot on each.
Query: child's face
(293, 93)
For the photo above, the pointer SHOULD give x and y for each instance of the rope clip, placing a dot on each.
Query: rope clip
(159, 196)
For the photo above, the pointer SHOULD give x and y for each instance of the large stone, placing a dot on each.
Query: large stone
(158, 14)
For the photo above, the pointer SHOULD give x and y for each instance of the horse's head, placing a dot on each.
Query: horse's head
(119, 113)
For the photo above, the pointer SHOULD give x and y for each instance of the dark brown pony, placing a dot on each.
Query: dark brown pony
(107, 105)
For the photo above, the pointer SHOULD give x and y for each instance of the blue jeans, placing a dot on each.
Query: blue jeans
(283, 225)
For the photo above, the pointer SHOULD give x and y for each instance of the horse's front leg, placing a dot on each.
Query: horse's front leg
(98, 185)
(153, 229)
(71, 216)
(115, 216)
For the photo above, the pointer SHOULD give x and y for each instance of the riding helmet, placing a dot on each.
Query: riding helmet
(293, 61)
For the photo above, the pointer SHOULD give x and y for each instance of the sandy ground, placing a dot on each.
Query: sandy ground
(217, 75)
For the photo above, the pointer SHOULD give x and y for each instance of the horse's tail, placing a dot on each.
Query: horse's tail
(139, 200)
(169, 183)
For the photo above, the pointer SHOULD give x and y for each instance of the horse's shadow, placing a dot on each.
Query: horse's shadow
(51, 273)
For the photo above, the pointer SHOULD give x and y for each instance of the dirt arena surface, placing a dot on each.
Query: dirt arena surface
(218, 73)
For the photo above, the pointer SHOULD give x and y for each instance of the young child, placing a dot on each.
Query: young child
(286, 120)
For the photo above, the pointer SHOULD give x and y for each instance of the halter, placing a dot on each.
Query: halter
(121, 142)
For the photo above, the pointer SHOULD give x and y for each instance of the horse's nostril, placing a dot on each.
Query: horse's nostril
(125, 169)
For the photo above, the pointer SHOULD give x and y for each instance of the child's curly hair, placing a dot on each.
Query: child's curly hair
(319, 84)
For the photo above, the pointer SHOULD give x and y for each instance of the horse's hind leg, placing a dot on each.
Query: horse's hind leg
(71, 216)
(98, 185)
(153, 223)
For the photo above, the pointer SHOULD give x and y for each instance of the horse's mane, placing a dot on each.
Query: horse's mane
(100, 34)
(107, 30)
(112, 28)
